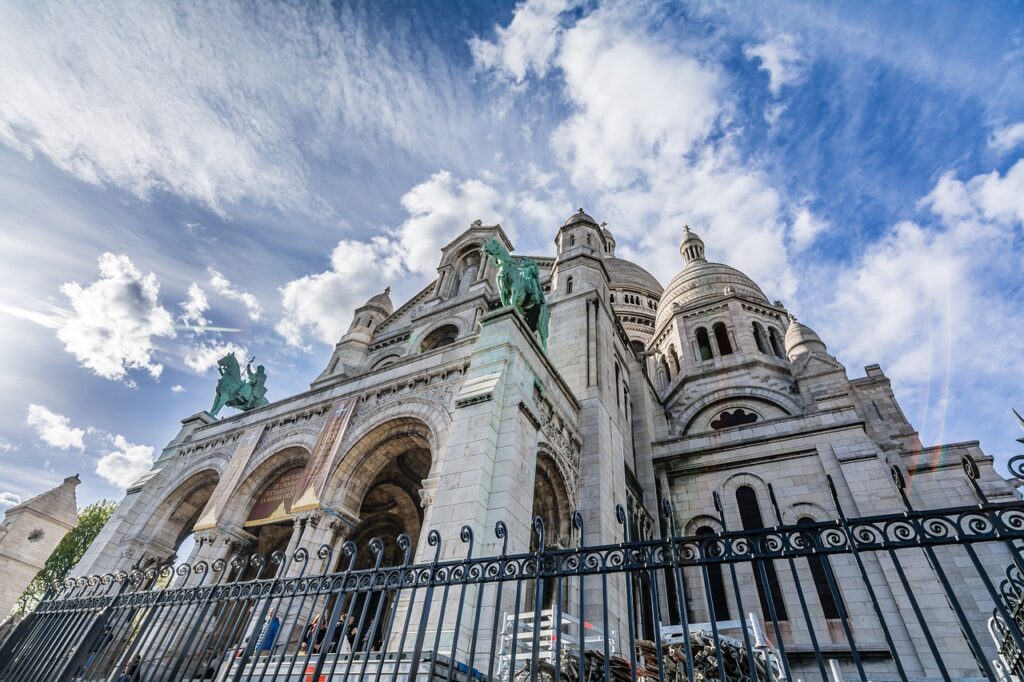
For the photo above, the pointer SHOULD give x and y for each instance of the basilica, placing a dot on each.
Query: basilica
(449, 410)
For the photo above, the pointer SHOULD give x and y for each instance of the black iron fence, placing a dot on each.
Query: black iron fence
(922, 594)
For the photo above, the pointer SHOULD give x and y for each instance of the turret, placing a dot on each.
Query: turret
(350, 352)
(801, 339)
(691, 248)
(580, 232)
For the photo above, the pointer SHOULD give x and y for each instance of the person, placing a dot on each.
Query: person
(99, 645)
(268, 634)
(132, 670)
(315, 633)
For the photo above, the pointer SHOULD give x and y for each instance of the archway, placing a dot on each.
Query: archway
(552, 504)
(171, 532)
(383, 477)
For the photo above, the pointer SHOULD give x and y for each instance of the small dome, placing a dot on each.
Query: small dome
(802, 339)
(579, 217)
(382, 301)
(624, 273)
(701, 280)
(691, 248)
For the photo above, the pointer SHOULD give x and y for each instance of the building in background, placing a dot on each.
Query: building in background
(29, 533)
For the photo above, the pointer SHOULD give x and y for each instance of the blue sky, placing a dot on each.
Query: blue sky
(177, 181)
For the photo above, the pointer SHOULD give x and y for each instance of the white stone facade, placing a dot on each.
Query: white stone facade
(29, 533)
(446, 412)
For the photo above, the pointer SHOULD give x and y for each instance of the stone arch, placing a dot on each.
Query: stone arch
(385, 361)
(688, 415)
(417, 342)
(552, 501)
(727, 493)
(467, 268)
(368, 453)
(701, 520)
(178, 512)
(260, 476)
(798, 510)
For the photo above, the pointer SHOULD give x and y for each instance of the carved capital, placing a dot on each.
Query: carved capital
(428, 492)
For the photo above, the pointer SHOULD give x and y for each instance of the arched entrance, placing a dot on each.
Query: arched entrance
(171, 534)
(382, 477)
(551, 503)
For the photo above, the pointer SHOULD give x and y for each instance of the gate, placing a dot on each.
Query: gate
(916, 595)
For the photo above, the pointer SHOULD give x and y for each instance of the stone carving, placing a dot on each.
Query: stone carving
(519, 287)
(234, 391)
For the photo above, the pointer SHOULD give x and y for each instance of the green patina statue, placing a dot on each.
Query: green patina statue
(519, 287)
(234, 391)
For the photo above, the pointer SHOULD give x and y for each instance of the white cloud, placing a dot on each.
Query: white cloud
(115, 319)
(1007, 138)
(934, 294)
(527, 44)
(216, 102)
(204, 356)
(194, 306)
(223, 287)
(781, 59)
(439, 209)
(7, 446)
(55, 429)
(126, 463)
(625, 124)
(806, 227)
(9, 499)
(177, 388)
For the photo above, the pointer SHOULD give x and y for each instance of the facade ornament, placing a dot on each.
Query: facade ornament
(428, 493)
(519, 287)
(234, 391)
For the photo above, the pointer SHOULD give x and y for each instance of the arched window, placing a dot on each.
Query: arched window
(572, 240)
(818, 573)
(611, 298)
(442, 336)
(715, 582)
(664, 368)
(758, 331)
(568, 285)
(638, 346)
(774, 339)
(588, 239)
(675, 359)
(750, 518)
(704, 344)
(722, 337)
(618, 377)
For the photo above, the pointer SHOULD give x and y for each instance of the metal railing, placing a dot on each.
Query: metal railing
(910, 595)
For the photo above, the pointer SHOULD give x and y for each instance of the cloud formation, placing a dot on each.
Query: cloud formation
(123, 465)
(218, 103)
(55, 429)
(781, 59)
(204, 357)
(439, 209)
(115, 320)
(9, 499)
(223, 286)
(193, 307)
(527, 44)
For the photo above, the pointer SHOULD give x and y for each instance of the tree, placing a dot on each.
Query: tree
(67, 553)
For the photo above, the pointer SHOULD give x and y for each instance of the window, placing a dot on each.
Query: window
(675, 359)
(572, 240)
(820, 577)
(704, 344)
(758, 331)
(722, 337)
(774, 339)
(618, 377)
(750, 517)
(737, 417)
(611, 298)
(716, 584)
(442, 336)
(568, 285)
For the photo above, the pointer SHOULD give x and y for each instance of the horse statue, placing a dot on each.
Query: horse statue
(235, 391)
(519, 287)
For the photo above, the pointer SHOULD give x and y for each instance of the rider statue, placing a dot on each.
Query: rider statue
(519, 287)
(234, 391)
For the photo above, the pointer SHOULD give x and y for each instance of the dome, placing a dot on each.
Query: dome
(624, 273)
(802, 339)
(382, 301)
(702, 280)
(579, 217)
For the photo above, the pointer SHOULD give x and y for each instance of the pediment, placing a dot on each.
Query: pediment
(814, 365)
